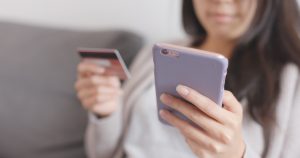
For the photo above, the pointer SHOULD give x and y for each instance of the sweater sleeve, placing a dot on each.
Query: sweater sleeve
(292, 138)
(250, 153)
(102, 135)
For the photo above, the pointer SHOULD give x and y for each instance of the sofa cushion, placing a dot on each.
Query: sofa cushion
(40, 116)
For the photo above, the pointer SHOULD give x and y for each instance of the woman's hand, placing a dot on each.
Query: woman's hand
(219, 133)
(98, 93)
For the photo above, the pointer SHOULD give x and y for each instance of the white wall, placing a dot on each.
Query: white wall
(156, 19)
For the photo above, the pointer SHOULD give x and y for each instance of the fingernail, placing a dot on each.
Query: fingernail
(183, 90)
(163, 114)
(164, 97)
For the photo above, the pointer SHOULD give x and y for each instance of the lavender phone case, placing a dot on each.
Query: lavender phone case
(201, 70)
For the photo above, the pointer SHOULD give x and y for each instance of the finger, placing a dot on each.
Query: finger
(190, 132)
(84, 75)
(86, 68)
(92, 101)
(90, 82)
(231, 103)
(106, 108)
(203, 103)
(209, 125)
(114, 81)
(86, 93)
(99, 90)
(200, 152)
(96, 80)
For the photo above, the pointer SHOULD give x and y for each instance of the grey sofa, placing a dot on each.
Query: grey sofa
(40, 116)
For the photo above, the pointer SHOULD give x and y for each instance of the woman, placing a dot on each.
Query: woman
(260, 38)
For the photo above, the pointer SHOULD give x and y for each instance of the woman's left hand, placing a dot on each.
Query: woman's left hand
(219, 131)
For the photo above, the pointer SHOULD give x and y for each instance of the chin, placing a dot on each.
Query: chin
(223, 35)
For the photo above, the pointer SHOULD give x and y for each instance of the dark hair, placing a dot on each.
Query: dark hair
(255, 67)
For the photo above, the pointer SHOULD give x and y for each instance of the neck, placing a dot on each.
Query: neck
(217, 45)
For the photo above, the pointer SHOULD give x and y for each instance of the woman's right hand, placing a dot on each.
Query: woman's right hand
(98, 93)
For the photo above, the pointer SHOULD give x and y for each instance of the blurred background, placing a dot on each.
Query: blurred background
(155, 19)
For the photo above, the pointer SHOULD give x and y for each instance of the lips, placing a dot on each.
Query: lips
(221, 17)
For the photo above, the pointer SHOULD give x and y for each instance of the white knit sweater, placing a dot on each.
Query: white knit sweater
(135, 132)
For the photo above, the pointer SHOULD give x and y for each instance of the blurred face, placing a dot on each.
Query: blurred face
(225, 19)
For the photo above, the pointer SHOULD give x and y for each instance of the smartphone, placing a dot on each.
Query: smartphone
(201, 70)
(110, 59)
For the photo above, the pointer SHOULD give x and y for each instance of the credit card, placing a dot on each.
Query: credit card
(110, 59)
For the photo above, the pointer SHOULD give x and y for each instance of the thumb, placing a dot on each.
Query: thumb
(231, 103)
